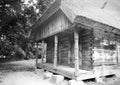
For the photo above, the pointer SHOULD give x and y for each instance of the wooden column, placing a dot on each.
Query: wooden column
(42, 58)
(55, 50)
(76, 52)
(117, 47)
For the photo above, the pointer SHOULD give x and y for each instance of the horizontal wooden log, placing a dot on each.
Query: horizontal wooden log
(86, 34)
(87, 41)
(87, 63)
(87, 58)
(63, 48)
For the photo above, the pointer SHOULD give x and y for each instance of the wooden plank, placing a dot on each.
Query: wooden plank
(58, 70)
(76, 52)
(55, 50)
(69, 56)
(50, 11)
(87, 46)
(48, 28)
(80, 51)
(70, 15)
(83, 74)
(118, 52)
(50, 50)
(64, 49)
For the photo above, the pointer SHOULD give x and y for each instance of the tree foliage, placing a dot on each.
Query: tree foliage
(17, 16)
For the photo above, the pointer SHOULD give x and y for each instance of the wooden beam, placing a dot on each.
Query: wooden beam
(42, 52)
(48, 13)
(117, 58)
(55, 50)
(69, 55)
(76, 51)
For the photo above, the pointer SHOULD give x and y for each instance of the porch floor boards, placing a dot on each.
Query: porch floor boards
(66, 71)
(69, 72)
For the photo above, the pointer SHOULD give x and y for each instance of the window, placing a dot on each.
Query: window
(109, 45)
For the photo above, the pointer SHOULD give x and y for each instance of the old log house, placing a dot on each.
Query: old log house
(82, 37)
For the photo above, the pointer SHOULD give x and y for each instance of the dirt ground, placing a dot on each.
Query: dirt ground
(20, 73)
(23, 73)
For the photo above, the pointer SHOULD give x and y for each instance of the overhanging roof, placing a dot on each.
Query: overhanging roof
(103, 11)
(49, 12)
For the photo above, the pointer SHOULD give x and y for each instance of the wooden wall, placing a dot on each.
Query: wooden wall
(118, 47)
(91, 53)
(64, 52)
(66, 49)
(56, 23)
(50, 50)
(86, 41)
(106, 45)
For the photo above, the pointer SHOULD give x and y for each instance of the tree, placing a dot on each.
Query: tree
(17, 18)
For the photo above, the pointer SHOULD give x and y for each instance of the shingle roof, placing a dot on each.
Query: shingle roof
(103, 11)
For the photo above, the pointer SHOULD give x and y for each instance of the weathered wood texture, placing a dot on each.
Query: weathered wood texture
(118, 48)
(53, 25)
(93, 10)
(50, 50)
(60, 47)
(66, 71)
(91, 51)
(86, 39)
(55, 50)
(83, 74)
(76, 51)
(106, 47)
(64, 49)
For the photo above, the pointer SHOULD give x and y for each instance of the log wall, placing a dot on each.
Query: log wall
(86, 39)
(50, 50)
(64, 48)
(106, 47)
(91, 52)
(118, 48)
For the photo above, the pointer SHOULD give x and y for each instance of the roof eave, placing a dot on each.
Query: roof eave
(55, 6)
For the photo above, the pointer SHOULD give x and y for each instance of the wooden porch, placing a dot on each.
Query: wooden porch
(69, 72)
(77, 64)
(66, 71)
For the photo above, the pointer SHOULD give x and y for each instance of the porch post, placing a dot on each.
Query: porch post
(42, 58)
(76, 52)
(55, 50)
